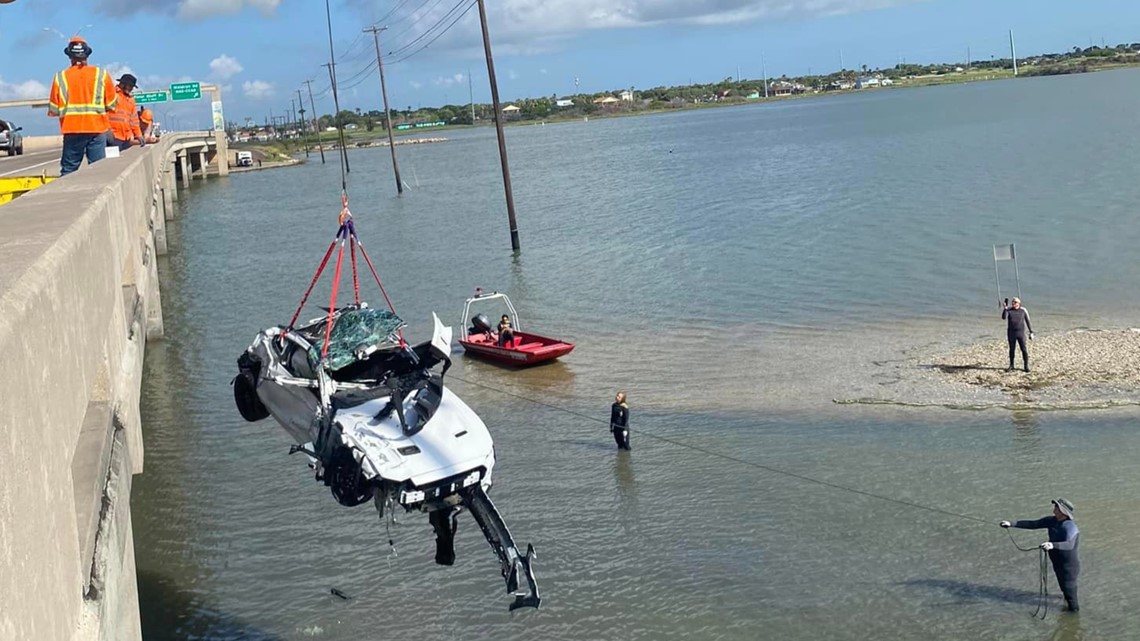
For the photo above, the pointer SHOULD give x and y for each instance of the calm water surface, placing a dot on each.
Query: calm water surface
(734, 270)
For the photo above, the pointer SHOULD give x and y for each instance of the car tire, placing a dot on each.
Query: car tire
(20, 150)
(11, 151)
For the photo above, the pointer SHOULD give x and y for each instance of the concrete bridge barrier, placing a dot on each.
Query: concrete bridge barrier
(79, 298)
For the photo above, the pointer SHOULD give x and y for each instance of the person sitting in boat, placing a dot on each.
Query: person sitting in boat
(506, 334)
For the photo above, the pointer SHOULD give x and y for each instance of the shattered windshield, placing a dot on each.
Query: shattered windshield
(354, 330)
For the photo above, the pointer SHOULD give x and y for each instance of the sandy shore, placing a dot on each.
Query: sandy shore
(1077, 369)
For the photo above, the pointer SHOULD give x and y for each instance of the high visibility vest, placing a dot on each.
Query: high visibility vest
(81, 97)
(124, 119)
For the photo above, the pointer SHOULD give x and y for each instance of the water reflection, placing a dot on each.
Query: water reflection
(626, 485)
(1068, 628)
(1027, 437)
(172, 612)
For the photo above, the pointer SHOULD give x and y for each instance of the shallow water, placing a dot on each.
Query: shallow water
(735, 270)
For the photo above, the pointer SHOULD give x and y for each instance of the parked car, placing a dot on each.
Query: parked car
(11, 139)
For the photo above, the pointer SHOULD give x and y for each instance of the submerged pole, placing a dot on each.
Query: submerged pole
(1013, 52)
(316, 121)
(387, 112)
(499, 128)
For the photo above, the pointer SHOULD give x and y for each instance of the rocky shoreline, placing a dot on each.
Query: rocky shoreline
(1076, 369)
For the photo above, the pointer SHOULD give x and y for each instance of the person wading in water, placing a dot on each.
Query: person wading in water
(1017, 324)
(1064, 537)
(619, 421)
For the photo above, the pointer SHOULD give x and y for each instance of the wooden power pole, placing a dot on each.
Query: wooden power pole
(375, 31)
(499, 128)
(316, 121)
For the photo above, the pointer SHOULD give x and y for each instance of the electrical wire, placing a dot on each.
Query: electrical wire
(437, 36)
(432, 29)
(421, 12)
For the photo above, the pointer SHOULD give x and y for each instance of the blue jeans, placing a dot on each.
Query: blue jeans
(75, 146)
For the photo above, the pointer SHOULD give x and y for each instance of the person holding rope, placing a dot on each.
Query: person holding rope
(1017, 324)
(1064, 537)
(619, 422)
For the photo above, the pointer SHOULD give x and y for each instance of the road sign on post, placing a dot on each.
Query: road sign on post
(144, 97)
(185, 91)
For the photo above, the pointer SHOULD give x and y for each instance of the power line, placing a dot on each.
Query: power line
(426, 11)
(430, 29)
(437, 36)
(735, 459)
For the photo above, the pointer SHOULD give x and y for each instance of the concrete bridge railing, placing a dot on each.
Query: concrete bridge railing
(79, 298)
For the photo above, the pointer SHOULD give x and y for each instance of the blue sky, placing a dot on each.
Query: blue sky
(261, 51)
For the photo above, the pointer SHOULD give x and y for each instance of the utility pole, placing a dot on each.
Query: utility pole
(304, 127)
(471, 95)
(764, 72)
(336, 117)
(499, 128)
(387, 113)
(1013, 52)
(293, 112)
(316, 121)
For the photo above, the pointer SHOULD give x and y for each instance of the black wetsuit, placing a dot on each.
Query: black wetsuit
(619, 425)
(1065, 538)
(1017, 328)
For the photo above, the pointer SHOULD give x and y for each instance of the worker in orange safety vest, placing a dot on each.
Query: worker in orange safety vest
(124, 119)
(81, 97)
(146, 123)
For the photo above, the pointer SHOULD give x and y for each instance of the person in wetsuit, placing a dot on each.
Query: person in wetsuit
(1017, 325)
(1064, 537)
(619, 421)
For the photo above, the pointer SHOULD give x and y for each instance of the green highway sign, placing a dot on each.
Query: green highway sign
(185, 91)
(143, 97)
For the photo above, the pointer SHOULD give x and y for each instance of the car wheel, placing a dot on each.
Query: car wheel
(20, 150)
(11, 151)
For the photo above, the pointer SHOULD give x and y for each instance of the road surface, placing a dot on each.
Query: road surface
(31, 164)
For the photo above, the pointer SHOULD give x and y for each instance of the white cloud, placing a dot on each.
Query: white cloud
(117, 69)
(26, 90)
(542, 71)
(257, 89)
(450, 80)
(527, 27)
(416, 85)
(224, 67)
(512, 74)
(199, 9)
(185, 9)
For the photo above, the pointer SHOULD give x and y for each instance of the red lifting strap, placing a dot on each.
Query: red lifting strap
(346, 233)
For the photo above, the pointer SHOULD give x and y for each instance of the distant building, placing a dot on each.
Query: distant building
(606, 101)
(511, 111)
(626, 96)
(755, 95)
(563, 102)
(781, 88)
(868, 82)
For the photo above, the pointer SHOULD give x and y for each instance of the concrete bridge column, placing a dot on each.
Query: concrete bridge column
(202, 164)
(184, 157)
(158, 216)
(169, 191)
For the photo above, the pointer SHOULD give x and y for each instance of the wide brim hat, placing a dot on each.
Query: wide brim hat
(128, 79)
(1066, 506)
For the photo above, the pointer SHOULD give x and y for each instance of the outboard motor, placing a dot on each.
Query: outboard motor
(481, 323)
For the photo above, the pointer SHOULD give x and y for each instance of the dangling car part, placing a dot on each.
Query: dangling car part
(377, 423)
